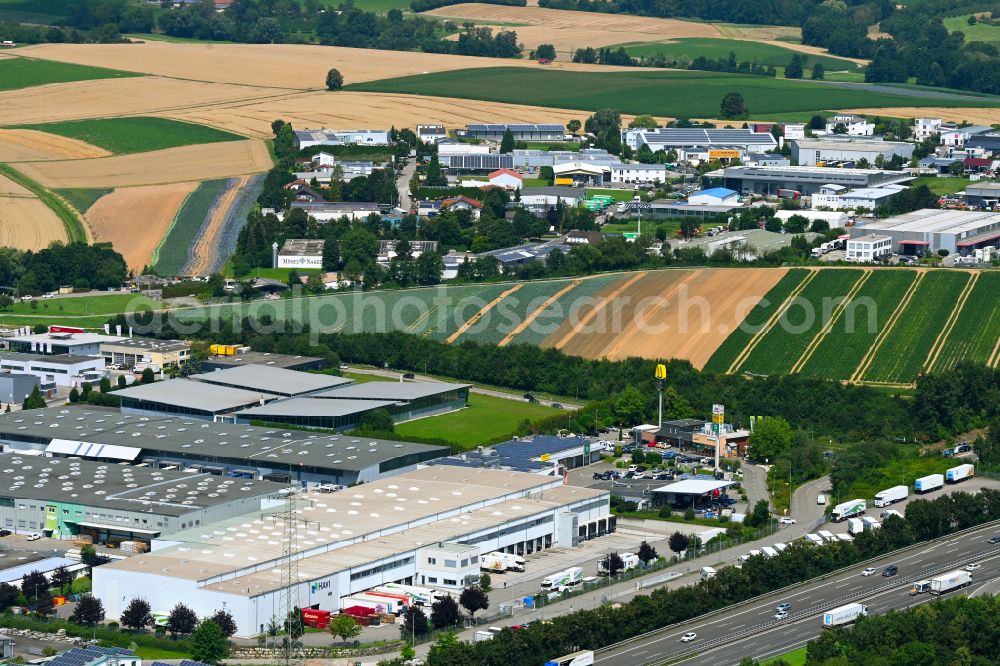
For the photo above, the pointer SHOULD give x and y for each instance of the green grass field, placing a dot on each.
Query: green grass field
(82, 198)
(905, 349)
(755, 52)
(979, 32)
(793, 658)
(661, 93)
(34, 11)
(172, 253)
(17, 73)
(281, 273)
(941, 186)
(737, 341)
(486, 419)
(136, 134)
(844, 347)
(974, 336)
(83, 306)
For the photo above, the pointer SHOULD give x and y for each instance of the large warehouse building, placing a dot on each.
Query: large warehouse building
(701, 144)
(239, 451)
(928, 230)
(803, 179)
(407, 529)
(817, 152)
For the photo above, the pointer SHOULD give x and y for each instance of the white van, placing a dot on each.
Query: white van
(820, 499)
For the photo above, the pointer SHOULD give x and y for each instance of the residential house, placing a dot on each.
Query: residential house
(507, 179)
(462, 202)
(855, 125)
(431, 133)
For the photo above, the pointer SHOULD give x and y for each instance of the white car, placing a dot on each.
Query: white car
(786, 521)
(870, 571)
(820, 499)
(34, 537)
(781, 615)
(973, 566)
(688, 637)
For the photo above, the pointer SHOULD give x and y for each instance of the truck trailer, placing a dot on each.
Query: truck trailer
(848, 509)
(492, 563)
(844, 615)
(959, 473)
(513, 562)
(926, 484)
(950, 581)
(891, 495)
(629, 560)
(570, 576)
(855, 526)
(707, 573)
(422, 596)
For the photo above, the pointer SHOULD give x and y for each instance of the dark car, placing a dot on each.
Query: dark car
(890, 570)
(556, 405)
(407, 375)
(4, 533)
(993, 539)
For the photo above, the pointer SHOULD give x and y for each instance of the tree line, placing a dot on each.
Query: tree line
(593, 629)
(620, 57)
(77, 265)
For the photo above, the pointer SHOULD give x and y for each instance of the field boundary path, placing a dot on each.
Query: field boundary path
(771, 323)
(599, 307)
(828, 326)
(482, 312)
(994, 359)
(536, 313)
(949, 324)
(890, 323)
(203, 253)
(626, 335)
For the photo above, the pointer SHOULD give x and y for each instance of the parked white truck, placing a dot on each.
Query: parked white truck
(629, 560)
(512, 561)
(891, 495)
(493, 563)
(855, 526)
(707, 573)
(959, 473)
(569, 577)
(926, 484)
(849, 509)
(950, 581)
(844, 615)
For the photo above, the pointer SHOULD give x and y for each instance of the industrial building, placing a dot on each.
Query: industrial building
(868, 248)
(392, 530)
(690, 492)
(668, 208)
(806, 180)
(817, 152)
(247, 357)
(538, 454)
(198, 400)
(982, 195)
(927, 230)
(834, 218)
(61, 370)
(538, 199)
(218, 448)
(16, 386)
(476, 163)
(325, 211)
(520, 132)
(838, 197)
(328, 137)
(313, 413)
(301, 253)
(62, 498)
(696, 144)
(512, 257)
(59, 343)
(535, 159)
(271, 380)
(146, 352)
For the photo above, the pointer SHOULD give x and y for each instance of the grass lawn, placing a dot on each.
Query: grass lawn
(794, 658)
(136, 134)
(281, 273)
(78, 306)
(82, 198)
(756, 52)
(176, 40)
(662, 93)
(18, 73)
(980, 32)
(942, 186)
(486, 419)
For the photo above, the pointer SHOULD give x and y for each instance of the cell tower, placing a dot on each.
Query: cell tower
(289, 615)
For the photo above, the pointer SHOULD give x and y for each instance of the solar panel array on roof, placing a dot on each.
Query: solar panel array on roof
(86, 656)
(479, 161)
(515, 128)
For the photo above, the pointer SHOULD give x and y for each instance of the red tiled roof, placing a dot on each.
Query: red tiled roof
(511, 172)
(977, 161)
(454, 200)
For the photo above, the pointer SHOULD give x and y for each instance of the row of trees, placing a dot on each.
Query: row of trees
(593, 629)
(79, 265)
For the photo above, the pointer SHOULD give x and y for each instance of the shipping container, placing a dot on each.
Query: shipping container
(926, 484)
(891, 495)
(950, 581)
(844, 615)
(959, 473)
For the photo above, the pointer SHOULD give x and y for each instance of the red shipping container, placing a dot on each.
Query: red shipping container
(358, 611)
(319, 619)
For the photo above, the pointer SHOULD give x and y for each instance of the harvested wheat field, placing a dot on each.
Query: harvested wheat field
(683, 314)
(116, 97)
(23, 145)
(271, 65)
(136, 218)
(28, 224)
(359, 109)
(173, 165)
(9, 188)
(971, 115)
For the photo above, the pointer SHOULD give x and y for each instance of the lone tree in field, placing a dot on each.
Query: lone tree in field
(545, 52)
(733, 106)
(573, 126)
(334, 80)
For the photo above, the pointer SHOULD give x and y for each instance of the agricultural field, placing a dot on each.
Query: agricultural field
(854, 333)
(728, 352)
(487, 419)
(980, 32)
(124, 136)
(216, 241)
(904, 352)
(511, 312)
(19, 73)
(568, 306)
(761, 53)
(173, 252)
(83, 306)
(33, 216)
(82, 199)
(18, 145)
(783, 345)
(33, 11)
(976, 335)
(660, 93)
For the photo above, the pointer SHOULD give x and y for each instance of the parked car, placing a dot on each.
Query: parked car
(688, 637)
(407, 375)
(556, 405)
(34, 536)
(4, 533)
(786, 521)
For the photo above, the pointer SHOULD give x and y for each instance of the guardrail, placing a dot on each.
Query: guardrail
(779, 591)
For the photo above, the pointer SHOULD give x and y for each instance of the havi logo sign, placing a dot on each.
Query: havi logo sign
(321, 585)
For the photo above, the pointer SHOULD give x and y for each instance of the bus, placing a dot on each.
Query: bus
(581, 658)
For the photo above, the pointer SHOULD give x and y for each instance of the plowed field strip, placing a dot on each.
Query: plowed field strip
(627, 337)
(538, 311)
(884, 333)
(942, 338)
(598, 308)
(828, 326)
(479, 315)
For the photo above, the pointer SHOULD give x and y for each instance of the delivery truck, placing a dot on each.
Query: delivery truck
(768, 551)
(959, 473)
(814, 539)
(891, 495)
(870, 523)
(826, 535)
(920, 587)
(493, 563)
(950, 581)
(513, 562)
(849, 509)
(569, 577)
(707, 573)
(422, 596)
(855, 526)
(926, 484)
(844, 615)
(629, 561)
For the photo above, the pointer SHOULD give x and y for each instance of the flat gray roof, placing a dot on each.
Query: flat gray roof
(55, 359)
(315, 407)
(66, 338)
(390, 390)
(269, 379)
(124, 487)
(190, 394)
(194, 439)
(150, 344)
(264, 358)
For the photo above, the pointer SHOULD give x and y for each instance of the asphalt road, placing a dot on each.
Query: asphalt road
(751, 630)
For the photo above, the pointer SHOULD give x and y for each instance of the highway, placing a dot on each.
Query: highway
(751, 630)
